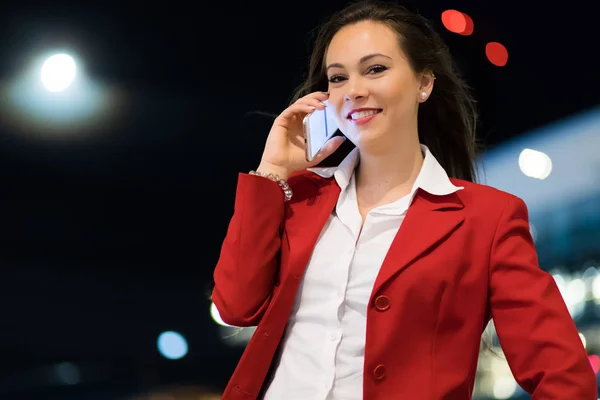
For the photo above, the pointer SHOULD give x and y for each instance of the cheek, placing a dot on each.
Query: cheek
(401, 102)
(335, 107)
(395, 89)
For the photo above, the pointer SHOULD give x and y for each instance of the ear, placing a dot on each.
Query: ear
(426, 81)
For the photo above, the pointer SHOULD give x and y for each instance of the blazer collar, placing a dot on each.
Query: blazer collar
(430, 219)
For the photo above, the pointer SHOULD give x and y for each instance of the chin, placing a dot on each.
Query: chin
(367, 135)
(373, 141)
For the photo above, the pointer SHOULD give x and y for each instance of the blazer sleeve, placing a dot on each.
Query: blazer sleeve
(537, 334)
(246, 270)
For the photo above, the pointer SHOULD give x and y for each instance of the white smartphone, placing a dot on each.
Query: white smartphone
(319, 127)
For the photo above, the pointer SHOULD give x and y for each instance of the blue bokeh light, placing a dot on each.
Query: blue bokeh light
(172, 345)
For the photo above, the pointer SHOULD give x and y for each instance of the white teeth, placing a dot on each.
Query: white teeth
(362, 114)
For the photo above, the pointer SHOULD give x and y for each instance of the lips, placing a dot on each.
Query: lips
(361, 113)
(363, 117)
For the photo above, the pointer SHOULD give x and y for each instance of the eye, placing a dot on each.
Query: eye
(376, 69)
(336, 79)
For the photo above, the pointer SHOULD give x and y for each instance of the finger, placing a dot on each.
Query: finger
(328, 148)
(312, 101)
(297, 109)
(317, 95)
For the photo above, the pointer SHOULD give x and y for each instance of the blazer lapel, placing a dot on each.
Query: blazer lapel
(429, 220)
(310, 216)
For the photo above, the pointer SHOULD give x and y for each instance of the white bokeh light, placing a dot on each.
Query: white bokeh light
(583, 340)
(214, 313)
(58, 72)
(535, 164)
(575, 293)
(596, 289)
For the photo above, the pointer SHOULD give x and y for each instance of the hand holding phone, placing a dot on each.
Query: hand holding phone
(285, 149)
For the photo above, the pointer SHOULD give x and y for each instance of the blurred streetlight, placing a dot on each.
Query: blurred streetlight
(54, 99)
(58, 72)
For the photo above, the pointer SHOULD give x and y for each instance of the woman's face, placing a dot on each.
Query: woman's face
(372, 88)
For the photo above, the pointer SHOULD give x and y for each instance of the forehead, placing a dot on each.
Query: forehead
(354, 41)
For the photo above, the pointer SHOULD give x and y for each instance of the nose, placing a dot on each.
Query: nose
(356, 90)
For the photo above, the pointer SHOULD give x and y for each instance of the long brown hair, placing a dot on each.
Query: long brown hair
(447, 120)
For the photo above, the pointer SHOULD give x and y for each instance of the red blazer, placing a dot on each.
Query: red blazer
(457, 261)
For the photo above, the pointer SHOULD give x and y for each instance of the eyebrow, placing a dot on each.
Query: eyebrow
(362, 60)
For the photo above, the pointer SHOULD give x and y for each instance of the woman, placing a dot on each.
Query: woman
(376, 278)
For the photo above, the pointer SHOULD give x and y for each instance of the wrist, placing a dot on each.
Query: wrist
(281, 173)
(282, 182)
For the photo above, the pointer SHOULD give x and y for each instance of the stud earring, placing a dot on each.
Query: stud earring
(423, 95)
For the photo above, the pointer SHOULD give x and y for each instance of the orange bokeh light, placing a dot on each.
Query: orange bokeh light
(496, 53)
(457, 22)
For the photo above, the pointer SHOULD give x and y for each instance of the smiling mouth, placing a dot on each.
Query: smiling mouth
(356, 115)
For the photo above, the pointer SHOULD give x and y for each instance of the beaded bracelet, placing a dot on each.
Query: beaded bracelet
(281, 182)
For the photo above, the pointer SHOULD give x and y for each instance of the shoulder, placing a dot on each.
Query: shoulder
(487, 200)
(480, 194)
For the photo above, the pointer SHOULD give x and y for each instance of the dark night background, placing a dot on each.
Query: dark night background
(109, 235)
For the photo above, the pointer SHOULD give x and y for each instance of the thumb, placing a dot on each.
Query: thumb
(328, 148)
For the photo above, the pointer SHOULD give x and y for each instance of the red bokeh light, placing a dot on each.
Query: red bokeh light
(595, 362)
(469, 27)
(496, 53)
(457, 22)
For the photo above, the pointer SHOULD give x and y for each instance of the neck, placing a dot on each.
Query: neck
(388, 174)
